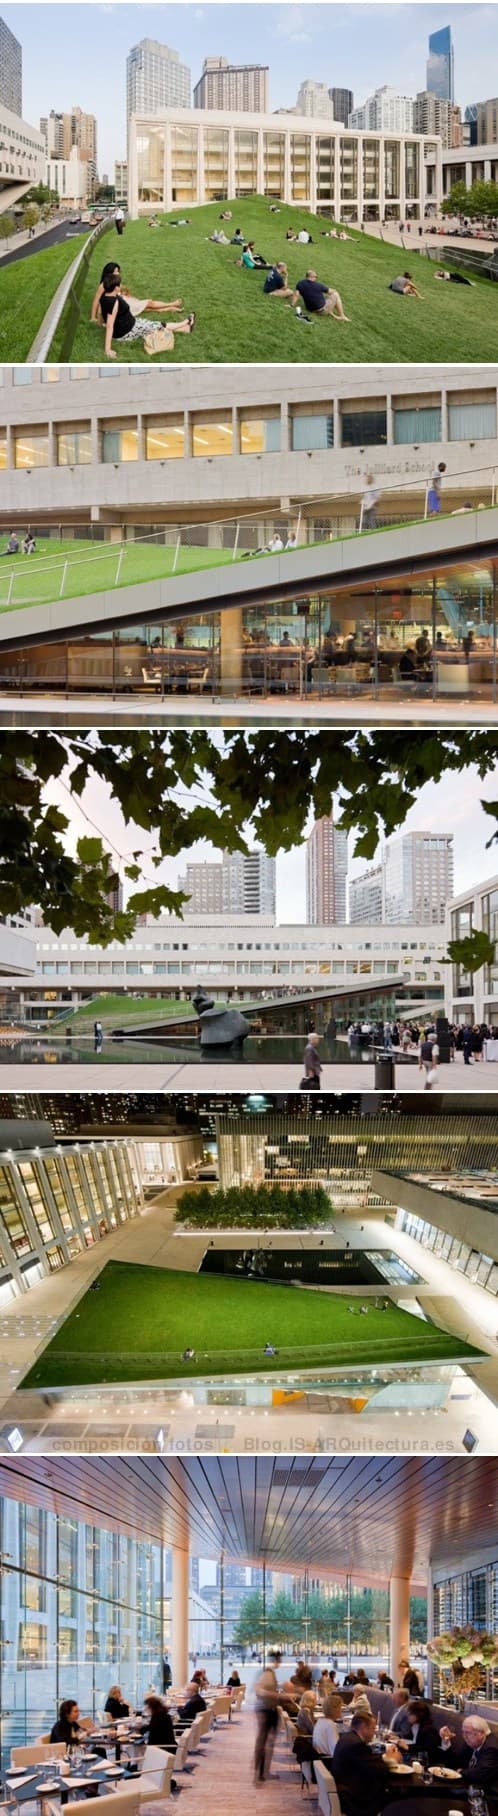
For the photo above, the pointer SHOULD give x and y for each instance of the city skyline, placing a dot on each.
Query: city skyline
(451, 806)
(318, 41)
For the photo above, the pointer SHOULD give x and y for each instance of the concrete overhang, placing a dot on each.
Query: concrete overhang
(467, 1219)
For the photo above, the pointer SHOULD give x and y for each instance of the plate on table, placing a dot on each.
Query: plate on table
(444, 1772)
(401, 1770)
(49, 1786)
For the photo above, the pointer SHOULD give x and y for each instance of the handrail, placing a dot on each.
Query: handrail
(68, 288)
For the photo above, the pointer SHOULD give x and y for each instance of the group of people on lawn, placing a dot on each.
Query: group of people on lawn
(124, 316)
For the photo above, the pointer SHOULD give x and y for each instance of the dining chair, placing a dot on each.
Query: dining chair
(37, 1754)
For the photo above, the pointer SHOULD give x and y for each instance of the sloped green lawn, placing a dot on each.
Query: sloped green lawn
(26, 289)
(142, 1318)
(236, 322)
(94, 567)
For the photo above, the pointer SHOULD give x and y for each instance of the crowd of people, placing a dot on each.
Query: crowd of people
(351, 1741)
(403, 1038)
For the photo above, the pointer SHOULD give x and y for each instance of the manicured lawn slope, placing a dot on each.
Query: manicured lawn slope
(237, 322)
(93, 568)
(138, 1324)
(26, 289)
(122, 1011)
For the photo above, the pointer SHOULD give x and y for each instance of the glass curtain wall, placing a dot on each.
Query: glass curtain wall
(81, 1608)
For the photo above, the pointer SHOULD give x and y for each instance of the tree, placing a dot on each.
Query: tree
(250, 1626)
(418, 1619)
(458, 200)
(7, 226)
(30, 215)
(182, 786)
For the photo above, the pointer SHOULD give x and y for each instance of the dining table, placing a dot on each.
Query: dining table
(38, 1783)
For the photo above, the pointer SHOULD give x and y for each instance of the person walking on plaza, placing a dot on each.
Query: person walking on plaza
(312, 1065)
(428, 1055)
(266, 1694)
(434, 493)
(370, 502)
(468, 1044)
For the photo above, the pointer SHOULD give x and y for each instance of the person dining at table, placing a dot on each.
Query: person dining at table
(159, 1726)
(363, 1778)
(475, 1756)
(326, 1731)
(115, 1705)
(67, 1728)
(424, 1736)
(399, 1723)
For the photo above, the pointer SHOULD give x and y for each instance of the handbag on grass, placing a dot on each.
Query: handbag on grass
(159, 340)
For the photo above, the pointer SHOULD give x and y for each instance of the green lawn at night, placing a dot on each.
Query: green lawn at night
(146, 1317)
(26, 289)
(236, 322)
(93, 567)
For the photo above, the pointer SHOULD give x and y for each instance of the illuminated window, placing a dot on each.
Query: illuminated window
(31, 448)
(165, 440)
(260, 435)
(119, 445)
(213, 435)
(74, 448)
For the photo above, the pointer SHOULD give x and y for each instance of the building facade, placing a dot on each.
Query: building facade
(246, 953)
(178, 161)
(366, 896)
(326, 873)
(83, 454)
(70, 178)
(155, 79)
(440, 65)
(10, 70)
(487, 122)
(418, 878)
(233, 87)
(441, 118)
(242, 883)
(384, 111)
(121, 180)
(314, 100)
(22, 157)
(343, 103)
(474, 997)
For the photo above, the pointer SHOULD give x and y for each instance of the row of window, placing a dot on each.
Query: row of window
(221, 967)
(481, 1269)
(215, 434)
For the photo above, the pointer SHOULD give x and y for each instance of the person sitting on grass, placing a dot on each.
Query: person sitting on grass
(318, 298)
(29, 544)
(137, 304)
(122, 325)
(237, 238)
(12, 545)
(453, 277)
(277, 282)
(404, 286)
(219, 237)
(252, 260)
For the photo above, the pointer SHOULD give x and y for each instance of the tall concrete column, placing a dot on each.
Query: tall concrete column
(179, 1617)
(231, 650)
(167, 185)
(399, 1610)
(337, 179)
(468, 173)
(260, 178)
(382, 179)
(201, 183)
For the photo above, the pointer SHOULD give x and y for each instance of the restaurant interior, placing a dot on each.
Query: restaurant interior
(207, 1625)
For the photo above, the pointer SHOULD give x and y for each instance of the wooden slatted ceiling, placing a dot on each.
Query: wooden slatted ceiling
(358, 1514)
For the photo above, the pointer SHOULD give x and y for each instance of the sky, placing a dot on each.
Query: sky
(452, 805)
(352, 46)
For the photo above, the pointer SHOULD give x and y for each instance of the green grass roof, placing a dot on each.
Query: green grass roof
(137, 1326)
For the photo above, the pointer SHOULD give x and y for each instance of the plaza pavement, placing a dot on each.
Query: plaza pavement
(255, 1075)
(46, 709)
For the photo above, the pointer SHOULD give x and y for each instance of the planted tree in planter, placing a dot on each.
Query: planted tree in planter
(255, 1207)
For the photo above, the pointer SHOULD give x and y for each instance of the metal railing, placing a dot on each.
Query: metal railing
(68, 293)
(182, 548)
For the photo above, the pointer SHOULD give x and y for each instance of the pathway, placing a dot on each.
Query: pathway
(224, 1777)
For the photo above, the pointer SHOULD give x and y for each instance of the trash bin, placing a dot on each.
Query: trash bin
(384, 1072)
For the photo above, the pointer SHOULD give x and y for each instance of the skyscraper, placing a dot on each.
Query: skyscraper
(243, 883)
(64, 132)
(155, 79)
(10, 70)
(366, 894)
(418, 878)
(238, 87)
(314, 99)
(326, 874)
(440, 71)
(384, 111)
(343, 102)
(430, 115)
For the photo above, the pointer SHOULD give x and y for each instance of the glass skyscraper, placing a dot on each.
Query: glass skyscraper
(440, 71)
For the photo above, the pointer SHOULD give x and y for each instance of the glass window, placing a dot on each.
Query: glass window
(74, 447)
(119, 445)
(213, 435)
(31, 448)
(50, 375)
(472, 421)
(313, 431)
(417, 425)
(165, 440)
(260, 435)
(3, 451)
(22, 375)
(363, 427)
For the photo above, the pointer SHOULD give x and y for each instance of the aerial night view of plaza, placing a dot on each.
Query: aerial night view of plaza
(249, 907)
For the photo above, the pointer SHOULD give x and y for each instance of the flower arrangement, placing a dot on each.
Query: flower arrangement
(463, 1654)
